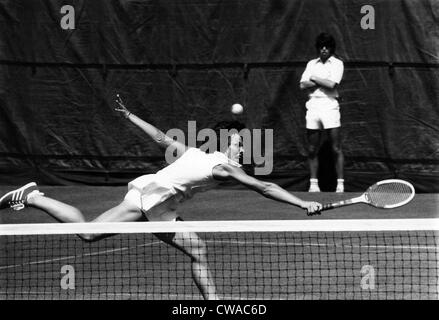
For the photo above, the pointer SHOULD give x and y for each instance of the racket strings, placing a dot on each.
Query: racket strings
(389, 194)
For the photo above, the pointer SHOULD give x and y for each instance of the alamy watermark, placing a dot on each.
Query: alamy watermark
(68, 20)
(368, 19)
(368, 279)
(257, 144)
(68, 277)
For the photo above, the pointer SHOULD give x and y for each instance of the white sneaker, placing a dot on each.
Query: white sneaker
(314, 185)
(17, 199)
(340, 186)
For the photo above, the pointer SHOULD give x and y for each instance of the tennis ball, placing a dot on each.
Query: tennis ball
(237, 108)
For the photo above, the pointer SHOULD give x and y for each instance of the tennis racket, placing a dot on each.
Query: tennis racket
(386, 194)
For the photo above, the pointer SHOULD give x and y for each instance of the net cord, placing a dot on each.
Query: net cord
(326, 225)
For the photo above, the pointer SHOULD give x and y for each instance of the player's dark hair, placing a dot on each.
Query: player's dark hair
(228, 125)
(325, 40)
(234, 127)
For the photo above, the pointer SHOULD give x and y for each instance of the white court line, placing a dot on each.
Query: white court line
(172, 296)
(266, 243)
(298, 244)
(80, 256)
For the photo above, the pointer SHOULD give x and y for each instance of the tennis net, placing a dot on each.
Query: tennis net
(298, 259)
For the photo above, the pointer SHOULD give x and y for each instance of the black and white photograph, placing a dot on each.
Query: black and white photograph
(243, 151)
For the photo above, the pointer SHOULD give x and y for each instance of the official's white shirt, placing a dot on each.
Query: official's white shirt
(332, 70)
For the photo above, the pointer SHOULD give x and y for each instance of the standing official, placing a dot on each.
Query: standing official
(321, 79)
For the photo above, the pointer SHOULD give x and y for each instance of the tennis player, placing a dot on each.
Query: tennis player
(155, 197)
(321, 78)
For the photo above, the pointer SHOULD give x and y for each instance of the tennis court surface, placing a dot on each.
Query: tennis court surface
(352, 253)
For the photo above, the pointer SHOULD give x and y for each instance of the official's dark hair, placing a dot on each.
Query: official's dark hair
(325, 40)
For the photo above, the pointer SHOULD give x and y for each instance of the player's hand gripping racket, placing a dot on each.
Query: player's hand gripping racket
(386, 194)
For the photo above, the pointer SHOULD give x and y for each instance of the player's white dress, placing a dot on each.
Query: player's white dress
(159, 194)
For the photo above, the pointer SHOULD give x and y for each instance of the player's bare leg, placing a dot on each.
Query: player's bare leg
(314, 137)
(335, 136)
(191, 244)
(62, 212)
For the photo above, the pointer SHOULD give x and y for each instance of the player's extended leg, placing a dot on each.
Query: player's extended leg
(124, 212)
(60, 211)
(193, 246)
(335, 136)
(30, 196)
(314, 137)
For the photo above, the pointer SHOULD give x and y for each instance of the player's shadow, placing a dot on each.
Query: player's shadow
(327, 174)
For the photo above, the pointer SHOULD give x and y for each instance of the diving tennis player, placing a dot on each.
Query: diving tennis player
(155, 197)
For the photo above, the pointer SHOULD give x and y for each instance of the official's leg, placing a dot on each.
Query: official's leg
(335, 137)
(314, 137)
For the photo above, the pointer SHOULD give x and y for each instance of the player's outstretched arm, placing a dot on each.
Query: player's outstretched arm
(157, 135)
(267, 189)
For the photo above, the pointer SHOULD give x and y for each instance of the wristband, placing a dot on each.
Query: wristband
(127, 115)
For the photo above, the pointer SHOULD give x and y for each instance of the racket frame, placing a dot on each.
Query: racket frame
(364, 198)
(391, 206)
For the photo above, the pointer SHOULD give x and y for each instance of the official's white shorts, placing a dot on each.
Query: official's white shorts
(322, 113)
(154, 197)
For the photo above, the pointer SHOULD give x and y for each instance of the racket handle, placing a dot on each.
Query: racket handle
(329, 206)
